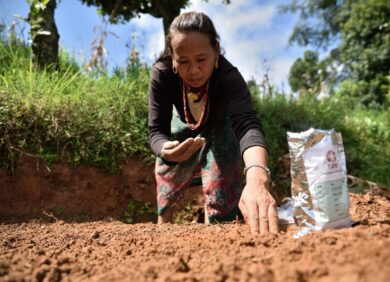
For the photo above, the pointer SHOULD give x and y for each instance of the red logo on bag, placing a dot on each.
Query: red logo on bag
(331, 157)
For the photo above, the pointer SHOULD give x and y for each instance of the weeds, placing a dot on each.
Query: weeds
(137, 210)
(184, 216)
(70, 116)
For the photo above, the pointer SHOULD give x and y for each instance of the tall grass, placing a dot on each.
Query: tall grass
(70, 116)
(101, 120)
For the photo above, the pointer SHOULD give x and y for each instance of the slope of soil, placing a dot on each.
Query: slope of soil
(109, 250)
(83, 192)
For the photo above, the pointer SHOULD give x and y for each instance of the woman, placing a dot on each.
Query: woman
(202, 125)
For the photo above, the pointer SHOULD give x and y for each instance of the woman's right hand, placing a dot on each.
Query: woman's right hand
(174, 151)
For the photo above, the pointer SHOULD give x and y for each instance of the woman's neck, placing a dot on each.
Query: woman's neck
(198, 89)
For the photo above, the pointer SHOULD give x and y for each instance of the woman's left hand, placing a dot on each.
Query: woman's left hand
(259, 208)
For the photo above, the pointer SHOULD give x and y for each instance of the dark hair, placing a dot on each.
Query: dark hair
(189, 22)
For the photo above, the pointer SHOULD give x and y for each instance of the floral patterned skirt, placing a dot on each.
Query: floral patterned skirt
(217, 165)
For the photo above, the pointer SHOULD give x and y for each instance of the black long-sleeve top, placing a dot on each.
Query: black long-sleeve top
(228, 93)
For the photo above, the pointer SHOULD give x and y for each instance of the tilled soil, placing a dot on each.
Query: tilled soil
(110, 250)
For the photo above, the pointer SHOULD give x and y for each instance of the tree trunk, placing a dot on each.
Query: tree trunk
(168, 12)
(44, 35)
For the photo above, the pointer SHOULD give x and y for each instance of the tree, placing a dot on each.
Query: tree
(44, 33)
(305, 74)
(359, 33)
(125, 10)
(365, 46)
(319, 23)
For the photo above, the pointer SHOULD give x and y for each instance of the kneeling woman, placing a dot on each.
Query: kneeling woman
(202, 123)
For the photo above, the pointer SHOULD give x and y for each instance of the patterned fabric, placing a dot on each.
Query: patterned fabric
(218, 163)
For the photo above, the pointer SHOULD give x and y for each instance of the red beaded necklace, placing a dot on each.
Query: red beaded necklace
(204, 94)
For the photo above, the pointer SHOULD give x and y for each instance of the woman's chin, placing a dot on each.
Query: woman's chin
(196, 83)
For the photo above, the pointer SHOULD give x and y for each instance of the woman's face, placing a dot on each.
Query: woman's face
(194, 57)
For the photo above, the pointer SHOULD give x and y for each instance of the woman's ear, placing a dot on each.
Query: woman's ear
(217, 48)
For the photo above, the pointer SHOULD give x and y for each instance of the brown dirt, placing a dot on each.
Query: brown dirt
(106, 249)
(65, 192)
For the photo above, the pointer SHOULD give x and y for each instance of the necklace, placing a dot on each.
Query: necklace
(196, 96)
(202, 115)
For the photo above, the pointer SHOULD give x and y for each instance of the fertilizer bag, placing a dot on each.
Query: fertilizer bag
(319, 179)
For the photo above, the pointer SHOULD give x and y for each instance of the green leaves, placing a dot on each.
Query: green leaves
(120, 11)
(37, 5)
(359, 33)
(306, 74)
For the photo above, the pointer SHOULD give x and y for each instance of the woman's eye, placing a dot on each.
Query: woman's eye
(182, 62)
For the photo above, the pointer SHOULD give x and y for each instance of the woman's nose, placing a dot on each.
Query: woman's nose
(194, 69)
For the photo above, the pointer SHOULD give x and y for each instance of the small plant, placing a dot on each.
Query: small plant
(137, 210)
(184, 216)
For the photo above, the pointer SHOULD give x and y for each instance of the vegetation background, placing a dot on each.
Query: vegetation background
(83, 115)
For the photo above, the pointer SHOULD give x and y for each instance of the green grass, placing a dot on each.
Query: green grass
(101, 119)
(71, 116)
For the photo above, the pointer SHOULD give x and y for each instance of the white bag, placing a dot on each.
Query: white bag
(319, 179)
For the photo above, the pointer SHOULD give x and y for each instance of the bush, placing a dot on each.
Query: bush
(365, 131)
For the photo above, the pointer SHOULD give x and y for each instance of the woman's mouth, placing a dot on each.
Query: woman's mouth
(195, 82)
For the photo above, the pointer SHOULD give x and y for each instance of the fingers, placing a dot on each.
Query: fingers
(263, 221)
(273, 218)
(194, 145)
(177, 152)
(170, 144)
(183, 146)
(253, 218)
(172, 149)
(185, 150)
(244, 210)
(259, 211)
